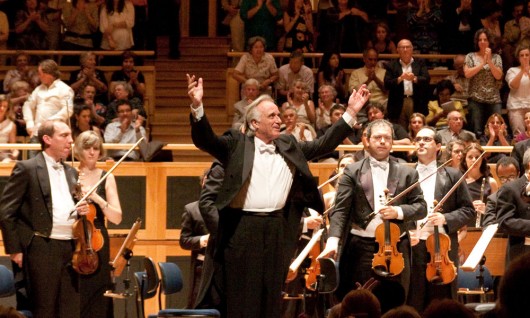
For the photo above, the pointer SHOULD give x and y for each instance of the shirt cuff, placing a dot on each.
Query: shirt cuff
(304, 227)
(333, 242)
(198, 112)
(351, 121)
(399, 212)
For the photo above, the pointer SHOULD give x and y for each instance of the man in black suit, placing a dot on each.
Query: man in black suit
(407, 81)
(266, 186)
(456, 212)
(513, 212)
(518, 152)
(36, 223)
(359, 210)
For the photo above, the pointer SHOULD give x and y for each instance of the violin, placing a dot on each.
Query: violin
(312, 273)
(388, 261)
(85, 260)
(440, 270)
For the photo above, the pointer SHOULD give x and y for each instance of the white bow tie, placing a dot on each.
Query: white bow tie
(425, 168)
(270, 148)
(58, 166)
(378, 164)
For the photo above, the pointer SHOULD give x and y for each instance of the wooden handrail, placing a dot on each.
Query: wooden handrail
(352, 55)
(52, 52)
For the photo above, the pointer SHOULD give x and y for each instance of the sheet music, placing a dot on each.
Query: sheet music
(480, 248)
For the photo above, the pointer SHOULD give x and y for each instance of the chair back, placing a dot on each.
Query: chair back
(153, 281)
(469, 279)
(7, 282)
(171, 278)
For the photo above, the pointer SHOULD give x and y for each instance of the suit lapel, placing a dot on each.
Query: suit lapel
(44, 181)
(392, 181)
(367, 182)
(286, 149)
(440, 189)
(248, 159)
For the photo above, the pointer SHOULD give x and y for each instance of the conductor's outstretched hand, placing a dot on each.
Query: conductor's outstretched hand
(195, 90)
(358, 99)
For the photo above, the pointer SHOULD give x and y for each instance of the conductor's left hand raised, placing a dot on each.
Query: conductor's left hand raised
(195, 90)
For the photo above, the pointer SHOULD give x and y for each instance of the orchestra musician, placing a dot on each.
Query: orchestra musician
(359, 192)
(266, 186)
(455, 213)
(36, 223)
(512, 212)
(88, 148)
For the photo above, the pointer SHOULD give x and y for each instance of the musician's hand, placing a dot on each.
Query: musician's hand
(436, 218)
(369, 285)
(17, 259)
(332, 246)
(195, 90)
(313, 221)
(82, 208)
(388, 213)
(480, 206)
(414, 238)
(204, 240)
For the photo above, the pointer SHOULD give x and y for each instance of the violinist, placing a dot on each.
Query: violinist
(359, 193)
(456, 212)
(88, 149)
(36, 221)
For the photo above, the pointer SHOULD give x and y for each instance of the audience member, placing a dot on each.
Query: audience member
(372, 75)
(478, 179)
(492, 11)
(291, 126)
(251, 89)
(454, 150)
(8, 129)
(524, 135)
(257, 64)
(460, 23)
(298, 25)
(518, 79)
(496, 134)
(53, 10)
(357, 303)
(98, 110)
(126, 130)
(124, 91)
(459, 80)
(424, 23)
(335, 113)
(484, 70)
(407, 81)
(130, 75)
(295, 70)
(22, 72)
(89, 75)
(447, 308)
(116, 20)
(514, 31)
(440, 108)
(237, 26)
(4, 32)
(381, 41)
(31, 26)
(51, 100)
(377, 111)
(18, 96)
(455, 129)
(417, 121)
(402, 311)
(260, 19)
(326, 101)
(330, 72)
(81, 120)
(81, 20)
(298, 97)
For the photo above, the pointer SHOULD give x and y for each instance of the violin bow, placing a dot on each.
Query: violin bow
(453, 188)
(335, 177)
(89, 192)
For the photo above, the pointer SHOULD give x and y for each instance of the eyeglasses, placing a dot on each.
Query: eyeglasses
(426, 139)
(507, 179)
(381, 138)
(458, 152)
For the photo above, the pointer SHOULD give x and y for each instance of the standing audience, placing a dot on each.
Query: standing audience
(518, 79)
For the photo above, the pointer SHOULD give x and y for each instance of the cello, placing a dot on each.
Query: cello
(388, 261)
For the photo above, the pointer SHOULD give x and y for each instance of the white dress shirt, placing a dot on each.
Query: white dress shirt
(428, 187)
(407, 85)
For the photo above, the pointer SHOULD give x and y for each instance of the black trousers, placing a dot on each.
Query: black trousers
(53, 284)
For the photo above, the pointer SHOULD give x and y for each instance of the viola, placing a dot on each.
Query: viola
(440, 270)
(388, 261)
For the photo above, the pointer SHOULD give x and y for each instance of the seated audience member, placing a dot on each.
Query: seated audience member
(291, 126)
(454, 150)
(437, 116)
(331, 72)
(81, 120)
(402, 311)
(335, 113)
(88, 74)
(514, 30)
(98, 109)
(416, 122)
(295, 70)
(459, 80)
(524, 135)
(377, 111)
(455, 130)
(518, 79)
(507, 169)
(298, 97)
(8, 129)
(357, 303)
(31, 26)
(124, 91)
(126, 130)
(326, 101)
(19, 95)
(495, 134)
(381, 41)
(251, 89)
(442, 308)
(372, 75)
(513, 288)
(129, 75)
(22, 72)
(257, 64)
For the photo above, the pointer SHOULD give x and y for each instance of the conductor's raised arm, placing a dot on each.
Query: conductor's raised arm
(195, 90)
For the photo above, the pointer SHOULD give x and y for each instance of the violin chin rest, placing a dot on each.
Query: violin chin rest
(382, 271)
(437, 280)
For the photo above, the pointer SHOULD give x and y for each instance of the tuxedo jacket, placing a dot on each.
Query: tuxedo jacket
(26, 203)
(396, 91)
(513, 215)
(518, 153)
(355, 197)
(193, 228)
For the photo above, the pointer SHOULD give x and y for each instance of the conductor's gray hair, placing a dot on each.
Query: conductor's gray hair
(253, 113)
